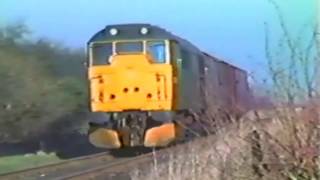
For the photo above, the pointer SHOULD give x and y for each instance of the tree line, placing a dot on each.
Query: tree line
(42, 86)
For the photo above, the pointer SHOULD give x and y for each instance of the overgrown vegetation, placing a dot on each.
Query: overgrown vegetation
(266, 146)
(42, 84)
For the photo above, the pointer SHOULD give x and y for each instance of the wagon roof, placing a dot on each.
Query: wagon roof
(224, 62)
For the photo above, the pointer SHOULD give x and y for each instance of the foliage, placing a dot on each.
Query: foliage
(41, 81)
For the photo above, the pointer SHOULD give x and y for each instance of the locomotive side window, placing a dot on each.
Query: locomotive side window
(158, 50)
(129, 47)
(101, 53)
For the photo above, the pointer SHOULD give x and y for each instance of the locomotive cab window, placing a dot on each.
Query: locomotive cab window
(158, 50)
(100, 53)
(129, 47)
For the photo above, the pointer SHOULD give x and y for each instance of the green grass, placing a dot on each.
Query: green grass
(19, 162)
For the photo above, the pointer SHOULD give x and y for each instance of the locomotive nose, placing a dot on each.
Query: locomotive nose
(131, 82)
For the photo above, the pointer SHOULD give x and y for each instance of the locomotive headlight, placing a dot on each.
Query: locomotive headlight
(113, 31)
(144, 30)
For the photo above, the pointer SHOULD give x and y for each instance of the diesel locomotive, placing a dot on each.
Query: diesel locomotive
(144, 81)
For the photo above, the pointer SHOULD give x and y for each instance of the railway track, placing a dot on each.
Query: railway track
(98, 166)
(114, 170)
(50, 171)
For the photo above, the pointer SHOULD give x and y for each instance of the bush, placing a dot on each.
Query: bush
(41, 82)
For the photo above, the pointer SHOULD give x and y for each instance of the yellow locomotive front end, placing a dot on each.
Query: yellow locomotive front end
(132, 80)
(131, 76)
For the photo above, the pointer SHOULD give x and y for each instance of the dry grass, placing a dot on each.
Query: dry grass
(273, 144)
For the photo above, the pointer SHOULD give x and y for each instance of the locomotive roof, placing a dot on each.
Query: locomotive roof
(132, 31)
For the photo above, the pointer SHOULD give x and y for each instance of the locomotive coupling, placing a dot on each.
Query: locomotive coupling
(158, 136)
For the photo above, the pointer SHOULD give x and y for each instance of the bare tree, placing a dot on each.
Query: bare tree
(295, 76)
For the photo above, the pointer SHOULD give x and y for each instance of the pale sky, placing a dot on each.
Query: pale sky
(230, 29)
